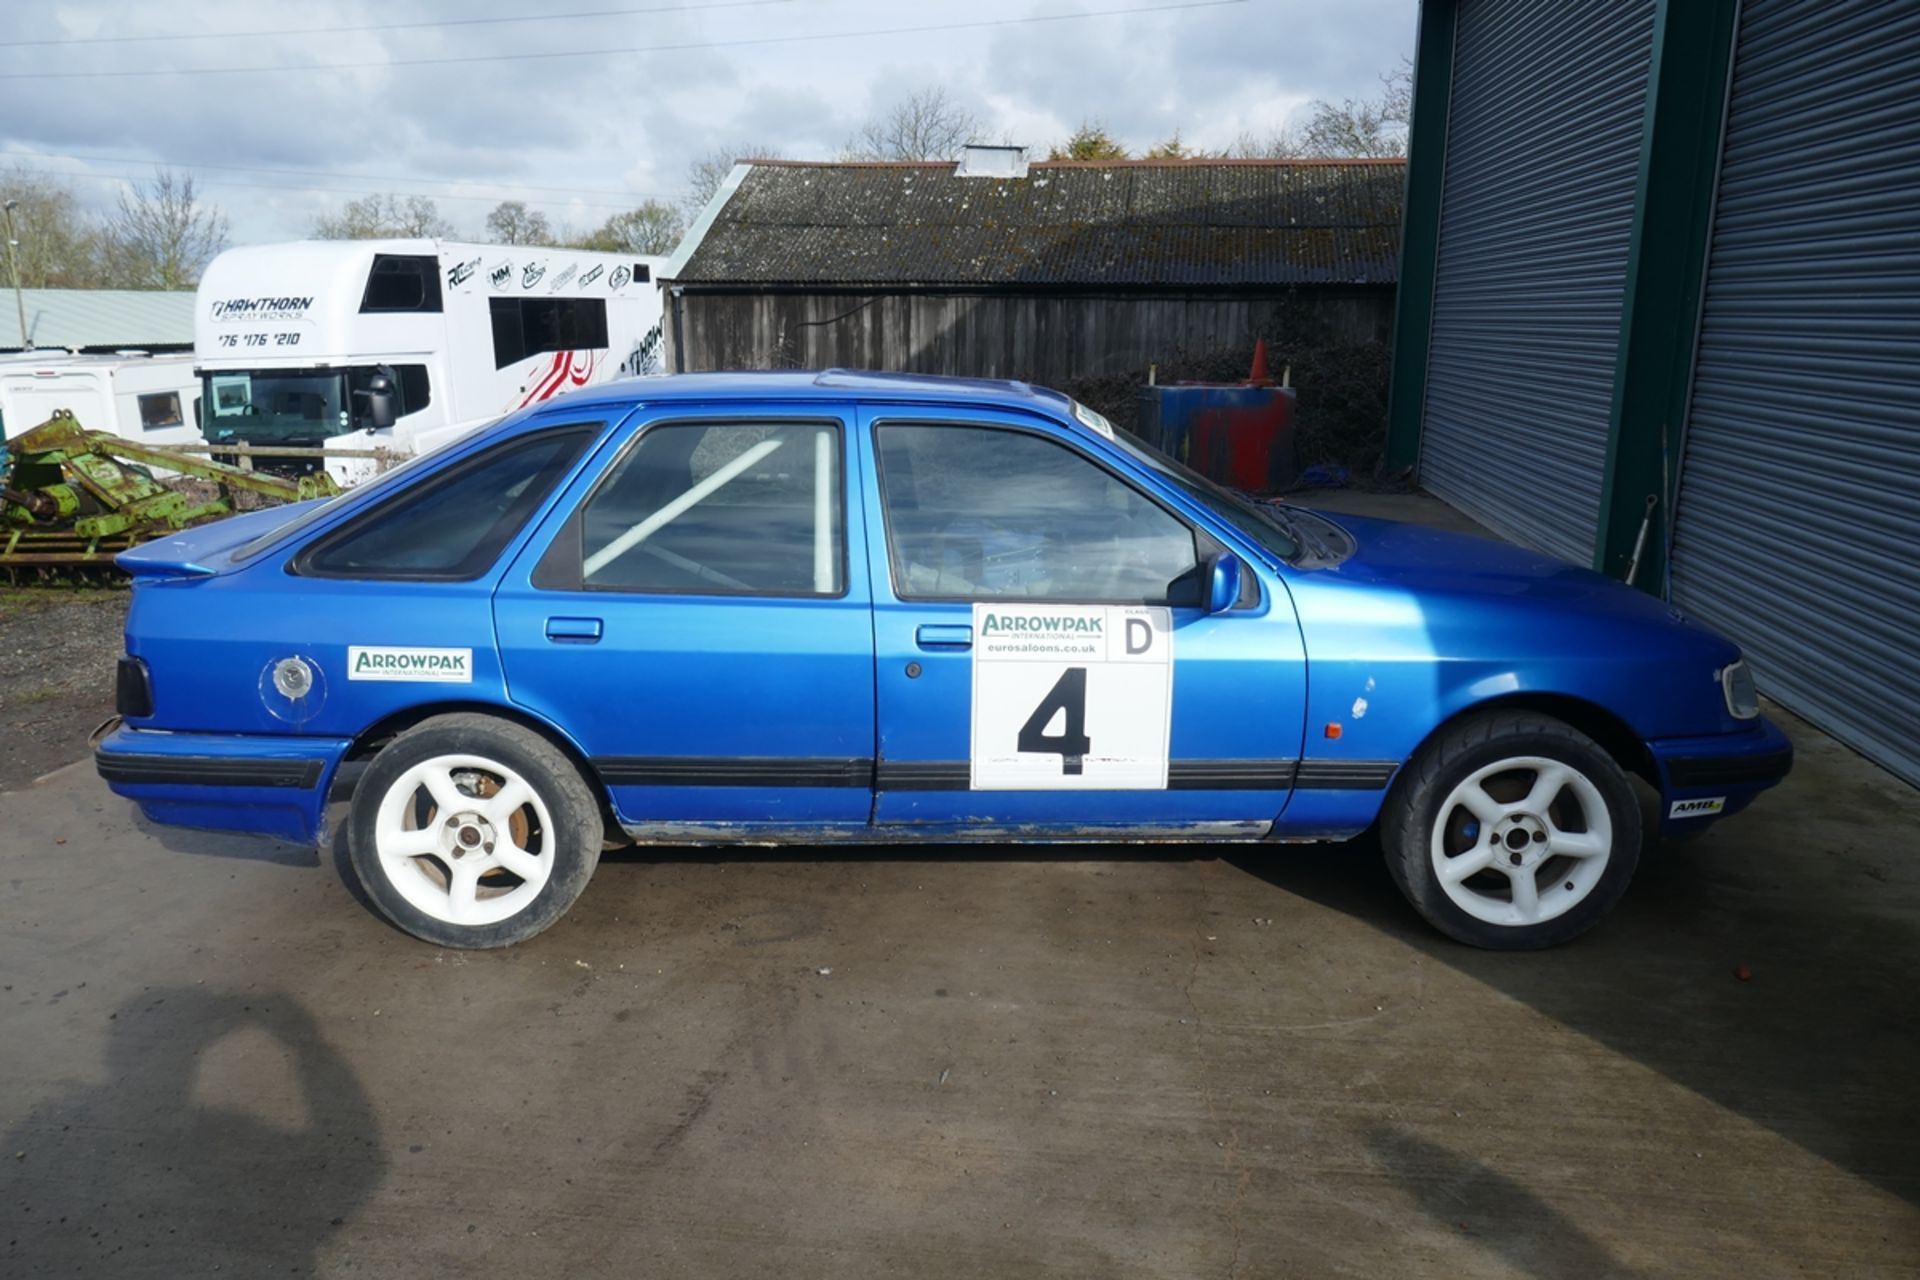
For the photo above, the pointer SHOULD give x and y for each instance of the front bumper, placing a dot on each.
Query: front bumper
(1706, 778)
(275, 786)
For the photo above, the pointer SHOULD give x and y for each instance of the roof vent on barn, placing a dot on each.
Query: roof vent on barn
(982, 161)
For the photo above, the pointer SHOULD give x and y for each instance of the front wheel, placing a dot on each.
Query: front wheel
(1512, 831)
(471, 831)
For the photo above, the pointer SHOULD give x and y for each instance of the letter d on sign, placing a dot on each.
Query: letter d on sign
(1139, 635)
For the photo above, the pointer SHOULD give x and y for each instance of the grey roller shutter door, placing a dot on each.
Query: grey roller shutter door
(1544, 123)
(1797, 530)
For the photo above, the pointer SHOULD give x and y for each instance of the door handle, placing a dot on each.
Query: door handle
(573, 630)
(954, 636)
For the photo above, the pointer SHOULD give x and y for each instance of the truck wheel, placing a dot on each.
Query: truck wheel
(470, 831)
(1512, 831)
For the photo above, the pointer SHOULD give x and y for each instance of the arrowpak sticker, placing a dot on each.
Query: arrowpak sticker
(1697, 808)
(1071, 697)
(392, 662)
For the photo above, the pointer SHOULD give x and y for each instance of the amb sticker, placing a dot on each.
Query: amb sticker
(1697, 808)
(385, 662)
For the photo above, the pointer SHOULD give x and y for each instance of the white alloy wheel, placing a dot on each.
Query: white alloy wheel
(465, 839)
(1521, 841)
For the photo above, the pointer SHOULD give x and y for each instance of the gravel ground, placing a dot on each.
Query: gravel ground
(57, 650)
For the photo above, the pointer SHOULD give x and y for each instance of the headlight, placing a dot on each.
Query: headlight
(1736, 681)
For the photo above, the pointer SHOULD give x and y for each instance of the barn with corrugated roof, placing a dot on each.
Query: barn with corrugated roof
(1048, 272)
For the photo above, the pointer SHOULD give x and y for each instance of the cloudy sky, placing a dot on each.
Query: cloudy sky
(597, 104)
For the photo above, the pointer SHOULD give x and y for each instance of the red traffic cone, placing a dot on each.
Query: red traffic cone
(1259, 375)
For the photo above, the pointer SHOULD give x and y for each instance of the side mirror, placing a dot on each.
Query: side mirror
(1223, 582)
(380, 408)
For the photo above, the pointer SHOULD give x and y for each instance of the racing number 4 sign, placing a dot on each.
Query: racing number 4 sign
(1071, 697)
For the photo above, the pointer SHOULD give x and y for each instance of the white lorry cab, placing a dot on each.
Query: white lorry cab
(408, 344)
(149, 398)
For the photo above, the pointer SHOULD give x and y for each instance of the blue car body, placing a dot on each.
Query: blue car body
(713, 716)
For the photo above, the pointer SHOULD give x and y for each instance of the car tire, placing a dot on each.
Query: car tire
(470, 831)
(1512, 831)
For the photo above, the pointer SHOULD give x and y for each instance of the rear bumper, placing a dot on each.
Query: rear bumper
(1706, 778)
(274, 786)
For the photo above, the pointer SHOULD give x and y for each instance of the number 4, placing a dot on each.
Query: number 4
(1069, 694)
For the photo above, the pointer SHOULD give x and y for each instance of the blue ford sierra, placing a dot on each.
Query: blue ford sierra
(842, 606)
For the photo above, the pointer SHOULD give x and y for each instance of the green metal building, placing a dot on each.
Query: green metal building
(1660, 288)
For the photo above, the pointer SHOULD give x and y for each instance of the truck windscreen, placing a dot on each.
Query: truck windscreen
(277, 406)
(302, 407)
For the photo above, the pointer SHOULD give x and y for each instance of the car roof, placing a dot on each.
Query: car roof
(824, 385)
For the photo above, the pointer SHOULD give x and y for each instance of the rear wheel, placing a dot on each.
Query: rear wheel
(1512, 830)
(470, 831)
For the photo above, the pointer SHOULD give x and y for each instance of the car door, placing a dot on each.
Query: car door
(1043, 662)
(695, 616)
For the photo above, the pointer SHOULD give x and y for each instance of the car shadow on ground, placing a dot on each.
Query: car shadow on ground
(183, 1159)
(1817, 1041)
(1504, 1216)
(225, 844)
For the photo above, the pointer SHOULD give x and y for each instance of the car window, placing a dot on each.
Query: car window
(986, 514)
(361, 495)
(454, 524)
(729, 508)
(1258, 520)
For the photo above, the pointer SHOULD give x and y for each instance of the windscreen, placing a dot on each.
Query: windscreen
(301, 406)
(280, 405)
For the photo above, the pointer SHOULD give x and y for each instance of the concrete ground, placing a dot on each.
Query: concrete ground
(962, 1063)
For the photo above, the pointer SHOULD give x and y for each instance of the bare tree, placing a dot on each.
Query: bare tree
(653, 227)
(1397, 93)
(1354, 128)
(161, 235)
(381, 216)
(925, 125)
(59, 244)
(1364, 127)
(1284, 143)
(710, 169)
(511, 222)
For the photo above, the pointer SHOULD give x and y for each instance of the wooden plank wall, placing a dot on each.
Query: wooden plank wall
(1048, 339)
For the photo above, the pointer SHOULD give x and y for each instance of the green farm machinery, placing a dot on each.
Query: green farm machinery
(71, 499)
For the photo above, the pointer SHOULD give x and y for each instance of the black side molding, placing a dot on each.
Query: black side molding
(923, 775)
(1230, 775)
(1345, 775)
(1182, 775)
(733, 771)
(1729, 771)
(208, 771)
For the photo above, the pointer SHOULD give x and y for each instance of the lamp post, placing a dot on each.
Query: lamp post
(13, 265)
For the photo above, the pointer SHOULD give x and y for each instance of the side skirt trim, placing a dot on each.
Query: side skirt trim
(956, 775)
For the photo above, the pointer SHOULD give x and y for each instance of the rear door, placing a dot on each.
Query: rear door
(696, 618)
(1042, 662)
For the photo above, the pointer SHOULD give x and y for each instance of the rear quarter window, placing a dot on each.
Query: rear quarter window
(451, 526)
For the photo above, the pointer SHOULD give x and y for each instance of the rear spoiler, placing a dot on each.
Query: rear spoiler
(207, 549)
